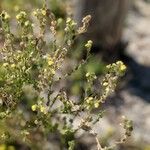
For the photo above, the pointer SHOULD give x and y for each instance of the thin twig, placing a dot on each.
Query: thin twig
(99, 147)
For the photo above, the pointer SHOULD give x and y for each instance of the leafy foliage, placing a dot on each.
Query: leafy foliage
(31, 103)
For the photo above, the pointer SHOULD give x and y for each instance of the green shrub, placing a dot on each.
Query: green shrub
(30, 66)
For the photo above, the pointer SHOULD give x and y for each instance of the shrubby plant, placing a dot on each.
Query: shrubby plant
(56, 6)
(32, 107)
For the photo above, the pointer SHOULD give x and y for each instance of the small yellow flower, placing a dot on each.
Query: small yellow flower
(5, 64)
(105, 83)
(43, 12)
(26, 23)
(87, 74)
(89, 99)
(89, 44)
(35, 13)
(7, 16)
(123, 67)
(34, 107)
(50, 62)
(13, 66)
(43, 109)
(45, 70)
(96, 104)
